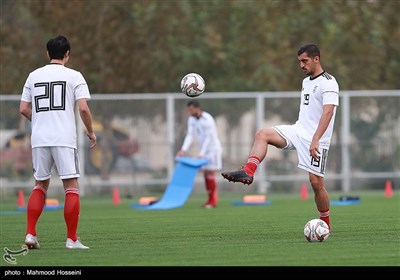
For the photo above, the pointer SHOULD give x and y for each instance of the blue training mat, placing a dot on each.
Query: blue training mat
(179, 187)
(344, 202)
(46, 208)
(242, 203)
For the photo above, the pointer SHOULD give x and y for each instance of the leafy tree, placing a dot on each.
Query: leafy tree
(143, 46)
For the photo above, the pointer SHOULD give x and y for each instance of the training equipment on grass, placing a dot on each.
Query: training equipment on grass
(21, 199)
(316, 230)
(147, 200)
(193, 85)
(50, 204)
(388, 189)
(252, 200)
(304, 192)
(346, 200)
(179, 187)
(116, 197)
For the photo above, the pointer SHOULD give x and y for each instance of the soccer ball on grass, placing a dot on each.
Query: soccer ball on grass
(193, 85)
(316, 230)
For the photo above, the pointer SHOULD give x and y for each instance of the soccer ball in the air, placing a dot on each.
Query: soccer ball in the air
(193, 85)
(316, 230)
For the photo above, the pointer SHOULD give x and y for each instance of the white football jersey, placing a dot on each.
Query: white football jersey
(53, 90)
(315, 93)
(204, 130)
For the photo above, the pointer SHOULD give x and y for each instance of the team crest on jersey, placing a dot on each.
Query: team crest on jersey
(315, 89)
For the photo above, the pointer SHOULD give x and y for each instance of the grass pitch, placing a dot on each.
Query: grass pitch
(365, 234)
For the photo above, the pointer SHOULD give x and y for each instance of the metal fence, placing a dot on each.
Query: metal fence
(139, 135)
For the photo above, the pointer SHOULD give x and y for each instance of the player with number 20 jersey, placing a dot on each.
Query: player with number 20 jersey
(53, 90)
(48, 100)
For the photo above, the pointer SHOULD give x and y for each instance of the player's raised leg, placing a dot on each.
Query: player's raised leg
(259, 150)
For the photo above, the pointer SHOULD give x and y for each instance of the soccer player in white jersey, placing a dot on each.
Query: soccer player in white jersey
(310, 135)
(48, 100)
(202, 128)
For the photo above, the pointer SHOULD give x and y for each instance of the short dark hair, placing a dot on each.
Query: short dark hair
(193, 103)
(58, 47)
(311, 50)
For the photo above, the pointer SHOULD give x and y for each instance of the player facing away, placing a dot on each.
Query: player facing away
(48, 100)
(201, 127)
(310, 135)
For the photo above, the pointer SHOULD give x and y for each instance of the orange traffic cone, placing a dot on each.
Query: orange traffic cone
(116, 198)
(304, 192)
(21, 199)
(388, 189)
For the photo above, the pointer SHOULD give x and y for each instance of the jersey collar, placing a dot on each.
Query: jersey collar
(323, 72)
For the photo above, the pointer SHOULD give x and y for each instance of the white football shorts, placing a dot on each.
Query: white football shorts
(214, 158)
(302, 146)
(64, 159)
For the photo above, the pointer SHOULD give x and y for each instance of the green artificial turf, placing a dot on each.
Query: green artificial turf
(364, 234)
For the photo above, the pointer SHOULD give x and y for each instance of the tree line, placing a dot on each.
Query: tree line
(148, 46)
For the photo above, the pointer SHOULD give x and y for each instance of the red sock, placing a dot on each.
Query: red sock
(211, 186)
(34, 208)
(71, 212)
(251, 165)
(324, 215)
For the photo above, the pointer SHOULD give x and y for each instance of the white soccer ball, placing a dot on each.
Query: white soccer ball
(193, 85)
(316, 230)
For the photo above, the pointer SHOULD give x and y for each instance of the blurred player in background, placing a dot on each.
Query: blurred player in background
(310, 136)
(201, 127)
(48, 100)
